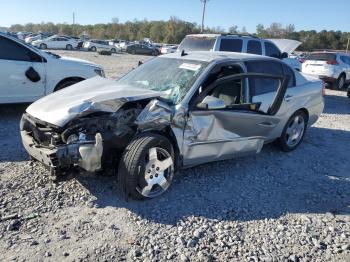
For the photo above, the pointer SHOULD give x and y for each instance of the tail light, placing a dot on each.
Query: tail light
(324, 88)
(332, 62)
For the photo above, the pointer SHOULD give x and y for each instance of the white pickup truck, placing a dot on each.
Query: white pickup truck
(28, 73)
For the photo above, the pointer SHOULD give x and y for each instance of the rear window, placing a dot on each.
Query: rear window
(322, 57)
(192, 43)
(231, 45)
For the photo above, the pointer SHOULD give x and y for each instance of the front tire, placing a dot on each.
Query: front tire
(93, 49)
(66, 84)
(340, 83)
(43, 46)
(294, 132)
(113, 50)
(146, 168)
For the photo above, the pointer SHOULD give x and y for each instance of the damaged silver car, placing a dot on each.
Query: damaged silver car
(172, 112)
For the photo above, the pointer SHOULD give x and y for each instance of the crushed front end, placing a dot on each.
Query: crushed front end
(85, 142)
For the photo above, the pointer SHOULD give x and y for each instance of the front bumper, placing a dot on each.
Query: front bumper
(60, 157)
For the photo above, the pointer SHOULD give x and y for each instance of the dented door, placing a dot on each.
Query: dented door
(218, 134)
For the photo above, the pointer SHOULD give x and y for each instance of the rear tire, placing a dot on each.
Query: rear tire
(146, 168)
(340, 83)
(69, 47)
(133, 52)
(294, 132)
(93, 49)
(113, 50)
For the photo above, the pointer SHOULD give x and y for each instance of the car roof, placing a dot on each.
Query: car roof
(210, 56)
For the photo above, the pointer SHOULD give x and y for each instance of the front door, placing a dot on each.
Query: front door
(232, 117)
(19, 66)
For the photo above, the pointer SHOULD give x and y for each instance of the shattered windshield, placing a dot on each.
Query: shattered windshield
(173, 77)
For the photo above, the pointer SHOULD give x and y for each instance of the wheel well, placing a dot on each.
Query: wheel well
(306, 113)
(76, 78)
(342, 74)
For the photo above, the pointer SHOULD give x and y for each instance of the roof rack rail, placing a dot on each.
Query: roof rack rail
(241, 35)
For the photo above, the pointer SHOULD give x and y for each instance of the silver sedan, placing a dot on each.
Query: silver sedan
(172, 112)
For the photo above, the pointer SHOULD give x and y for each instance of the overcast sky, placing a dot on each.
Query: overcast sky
(304, 14)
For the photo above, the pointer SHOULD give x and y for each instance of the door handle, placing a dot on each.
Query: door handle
(268, 124)
(288, 98)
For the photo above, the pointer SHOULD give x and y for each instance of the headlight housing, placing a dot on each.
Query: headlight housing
(100, 72)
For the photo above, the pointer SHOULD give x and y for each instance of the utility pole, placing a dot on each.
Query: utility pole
(204, 4)
(347, 46)
(73, 27)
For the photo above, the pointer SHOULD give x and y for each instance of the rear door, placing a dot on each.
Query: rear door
(16, 61)
(241, 126)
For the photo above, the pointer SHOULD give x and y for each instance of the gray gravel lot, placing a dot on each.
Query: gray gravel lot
(273, 206)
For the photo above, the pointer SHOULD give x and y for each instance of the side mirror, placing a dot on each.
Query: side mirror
(284, 55)
(140, 63)
(211, 102)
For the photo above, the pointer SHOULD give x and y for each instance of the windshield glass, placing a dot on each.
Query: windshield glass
(173, 77)
(322, 57)
(194, 43)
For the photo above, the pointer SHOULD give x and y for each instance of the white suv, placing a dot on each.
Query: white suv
(277, 48)
(28, 73)
(331, 67)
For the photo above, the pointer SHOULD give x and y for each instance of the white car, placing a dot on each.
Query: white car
(56, 42)
(28, 74)
(94, 44)
(331, 67)
(167, 49)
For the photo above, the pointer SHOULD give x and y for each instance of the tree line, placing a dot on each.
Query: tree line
(174, 30)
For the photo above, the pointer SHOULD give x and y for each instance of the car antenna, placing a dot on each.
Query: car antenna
(183, 53)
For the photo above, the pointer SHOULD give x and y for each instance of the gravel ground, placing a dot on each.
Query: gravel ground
(273, 206)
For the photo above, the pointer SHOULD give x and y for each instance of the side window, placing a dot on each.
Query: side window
(11, 50)
(231, 45)
(254, 47)
(289, 72)
(264, 89)
(265, 67)
(259, 86)
(271, 50)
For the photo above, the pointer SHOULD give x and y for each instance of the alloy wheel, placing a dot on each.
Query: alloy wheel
(158, 173)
